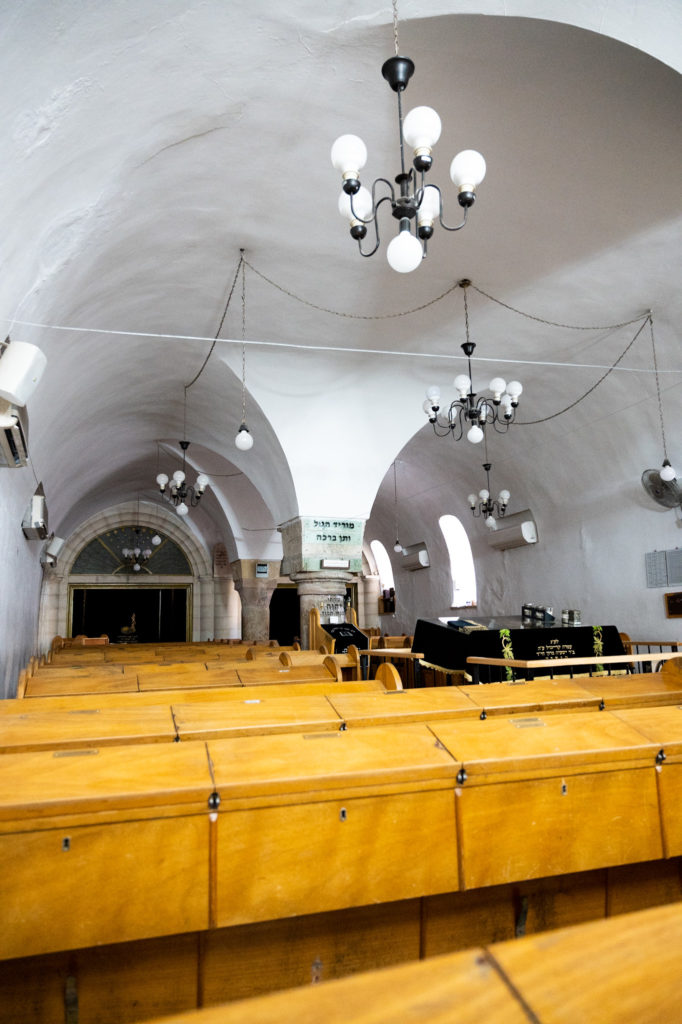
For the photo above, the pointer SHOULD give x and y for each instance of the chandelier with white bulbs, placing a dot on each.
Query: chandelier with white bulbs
(415, 205)
(469, 410)
(179, 493)
(487, 507)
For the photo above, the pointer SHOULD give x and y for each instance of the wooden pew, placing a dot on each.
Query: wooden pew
(633, 961)
(583, 666)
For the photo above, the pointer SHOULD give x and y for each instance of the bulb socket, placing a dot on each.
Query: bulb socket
(466, 197)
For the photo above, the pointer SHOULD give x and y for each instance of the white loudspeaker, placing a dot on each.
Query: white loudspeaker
(21, 367)
(51, 550)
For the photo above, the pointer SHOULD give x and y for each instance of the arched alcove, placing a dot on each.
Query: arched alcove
(212, 603)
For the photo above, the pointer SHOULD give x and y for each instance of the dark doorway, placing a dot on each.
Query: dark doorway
(160, 613)
(285, 615)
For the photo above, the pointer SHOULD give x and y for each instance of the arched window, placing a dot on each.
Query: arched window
(461, 562)
(383, 565)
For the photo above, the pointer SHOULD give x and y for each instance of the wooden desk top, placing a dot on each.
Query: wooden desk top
(254, 716)
(69, 729)
(521, 743)
(535, 695)
(426, 704)
(44, 685)
(328, 761)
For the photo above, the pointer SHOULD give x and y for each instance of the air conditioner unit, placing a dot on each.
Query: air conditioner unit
(415, 557)
(21, 367)
(34, 523)
(13, 436)
(514, 531)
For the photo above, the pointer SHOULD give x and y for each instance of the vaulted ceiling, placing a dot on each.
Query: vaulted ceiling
(147, 144)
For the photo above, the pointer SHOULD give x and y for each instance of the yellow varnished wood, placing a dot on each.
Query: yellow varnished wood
(621, 969)
(41, 785)
(636, 690)
(291, 765)
(536, 695)
(462, 988)
(179, 677)
(45, 685)
(574, 822)
(68, 729)
(114, 882)
(254, 716)
(278, 673)
(520, 742)
(428, 704)
(341, 852)
(311, 946)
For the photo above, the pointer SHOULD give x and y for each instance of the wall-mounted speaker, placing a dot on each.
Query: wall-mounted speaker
(21, 367)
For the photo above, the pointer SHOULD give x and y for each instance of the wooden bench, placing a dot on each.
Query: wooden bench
(580, 666)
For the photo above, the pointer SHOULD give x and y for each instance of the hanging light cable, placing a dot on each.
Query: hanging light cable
(179, 493)
(397, 547)
(243, 440)
(667, 472)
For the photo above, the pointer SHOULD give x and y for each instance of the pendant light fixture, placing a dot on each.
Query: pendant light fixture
(179, 493)
(416, 206)
(469, 410)
(485, 506)
(397, 547)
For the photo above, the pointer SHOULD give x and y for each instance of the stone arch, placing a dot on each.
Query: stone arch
(210, 598)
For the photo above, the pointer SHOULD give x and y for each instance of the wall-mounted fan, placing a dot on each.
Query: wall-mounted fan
(666, 493)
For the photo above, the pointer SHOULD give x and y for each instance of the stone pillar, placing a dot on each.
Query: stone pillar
(321, 555)
(255, 592)
(317, 589)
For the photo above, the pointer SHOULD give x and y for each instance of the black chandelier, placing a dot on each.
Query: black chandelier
(468, 409)
(413, 202)
(487, 507)
(182, 496)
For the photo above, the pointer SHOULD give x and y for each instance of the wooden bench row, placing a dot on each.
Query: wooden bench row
(155, 715)
(622, 969)
(114, 844)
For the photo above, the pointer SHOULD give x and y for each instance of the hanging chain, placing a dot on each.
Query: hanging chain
(466, 311)
(342, 313)
(243, 420)
(552, 323)
(220, 325)
(395, 26)
(658, 385)
(545, 419)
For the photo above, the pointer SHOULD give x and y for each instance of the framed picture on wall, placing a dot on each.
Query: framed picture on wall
(673, 605)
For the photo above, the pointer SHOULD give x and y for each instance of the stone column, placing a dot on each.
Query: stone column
(321, 555)
(255, 592)
(317, 589)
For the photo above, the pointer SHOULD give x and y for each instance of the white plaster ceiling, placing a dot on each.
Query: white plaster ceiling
(146, 143)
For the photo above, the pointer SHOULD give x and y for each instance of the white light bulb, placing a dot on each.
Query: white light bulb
(514, 389)
(243, 440)
(397, 547)
(483, 411)
(475, 434)
(362, 205)
(462, 384)
(178, 477)
(433, 394)
(125, 552)
(429, 208)
(467, 170)
(472, 500)
(147, 552)
(404, 252)
(202, 481)
(162, 480)
(182, 509)
(667, 472)
(349, 155)
(421, 128)
(504, 497)
(156, 540)
(497, 386)
(136, 552)
(491, 523)
(484, 494)
(136, 567)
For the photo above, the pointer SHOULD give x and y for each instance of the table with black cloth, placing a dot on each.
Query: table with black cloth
(448, 647)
